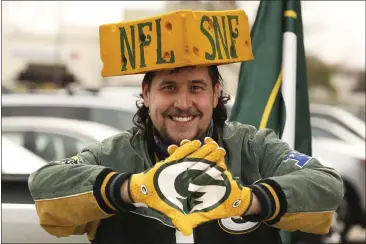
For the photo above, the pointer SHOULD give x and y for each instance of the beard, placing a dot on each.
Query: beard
(175, 135)
(179, 135)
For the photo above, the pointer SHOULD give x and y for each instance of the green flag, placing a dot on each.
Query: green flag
(260, 96)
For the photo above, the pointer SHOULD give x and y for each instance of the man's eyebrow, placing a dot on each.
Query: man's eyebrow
(196, 81)
(167, 82)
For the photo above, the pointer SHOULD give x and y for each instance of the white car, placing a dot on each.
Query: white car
(19, 221)
(345, 152)
(117, 113)
(341, 117)
(54, 138)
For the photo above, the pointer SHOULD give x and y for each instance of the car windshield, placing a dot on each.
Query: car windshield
(118, 119)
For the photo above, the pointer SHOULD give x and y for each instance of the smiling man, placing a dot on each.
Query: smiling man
(183, 166)
(181, 102)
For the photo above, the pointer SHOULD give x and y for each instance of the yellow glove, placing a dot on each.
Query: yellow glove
(223, 198)
(164, 187)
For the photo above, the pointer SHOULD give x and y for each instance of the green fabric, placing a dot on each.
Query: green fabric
(257, 78)
(251, 156)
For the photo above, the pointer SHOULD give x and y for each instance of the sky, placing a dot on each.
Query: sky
(334, 30)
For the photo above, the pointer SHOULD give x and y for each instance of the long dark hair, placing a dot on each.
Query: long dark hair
(219, 116)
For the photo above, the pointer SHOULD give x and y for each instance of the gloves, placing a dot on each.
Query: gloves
(235, 200)
(164, 187)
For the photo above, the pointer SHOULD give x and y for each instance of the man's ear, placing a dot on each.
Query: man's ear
(216, 95)
(145, 93)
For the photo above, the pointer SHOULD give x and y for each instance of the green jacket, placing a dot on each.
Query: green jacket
(81, 194)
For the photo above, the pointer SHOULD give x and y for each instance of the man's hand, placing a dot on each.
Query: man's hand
(238, 200)
(158, 187)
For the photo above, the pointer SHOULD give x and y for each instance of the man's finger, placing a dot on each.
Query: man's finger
(184, 151)
(184, 142)
(172, 148)
(204, 150)
(216, 155)
(221, 163)
(208, 140)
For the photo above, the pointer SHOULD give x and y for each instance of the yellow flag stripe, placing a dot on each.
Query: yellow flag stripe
(291, 14)
(270, 102)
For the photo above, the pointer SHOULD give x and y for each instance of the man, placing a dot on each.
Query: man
(183, 167)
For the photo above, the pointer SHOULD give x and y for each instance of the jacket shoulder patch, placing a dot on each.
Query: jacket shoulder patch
(300, 158)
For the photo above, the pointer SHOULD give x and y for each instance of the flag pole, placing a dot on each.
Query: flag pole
(288, 87)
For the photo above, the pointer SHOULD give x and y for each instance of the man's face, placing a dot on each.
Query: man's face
(181, 103)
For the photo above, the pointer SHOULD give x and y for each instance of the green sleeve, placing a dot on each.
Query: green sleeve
(72, 195)
(305, 193)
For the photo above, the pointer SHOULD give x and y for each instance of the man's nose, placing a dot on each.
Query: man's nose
(183, 100)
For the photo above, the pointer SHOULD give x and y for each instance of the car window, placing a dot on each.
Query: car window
(321, 133)
(54, 147)
(118, 119)
(49, 146)
(121, 120)
(47, 111)
(336, 121)
(72, 146)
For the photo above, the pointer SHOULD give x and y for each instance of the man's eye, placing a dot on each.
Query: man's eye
(169, 88)
(196, 88)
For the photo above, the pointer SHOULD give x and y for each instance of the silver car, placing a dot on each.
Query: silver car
(20, 222)
(117, 113)
(54, 138)
(345, 152)
(28, 143)
(341, 117)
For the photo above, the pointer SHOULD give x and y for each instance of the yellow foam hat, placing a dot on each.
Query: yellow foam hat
(180, 38)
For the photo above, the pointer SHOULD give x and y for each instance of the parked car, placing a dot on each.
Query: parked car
(341, 117)
(54, 138)
(20, 223)
(324, 128)
(117, 113)
(331, 113)
(346, 153)
(115, 92)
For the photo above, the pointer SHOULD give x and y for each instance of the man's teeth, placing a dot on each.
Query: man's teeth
(182, 119)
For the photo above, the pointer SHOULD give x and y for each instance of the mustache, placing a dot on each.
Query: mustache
(178, 112)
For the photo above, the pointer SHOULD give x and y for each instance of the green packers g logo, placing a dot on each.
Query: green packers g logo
(180, 184)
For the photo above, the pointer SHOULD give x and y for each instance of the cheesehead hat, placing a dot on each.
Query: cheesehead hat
(176, 39)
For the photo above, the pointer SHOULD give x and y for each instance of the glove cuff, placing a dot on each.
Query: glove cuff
(107, 191)
(280, 200)
(265, 200)
(272, 200)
